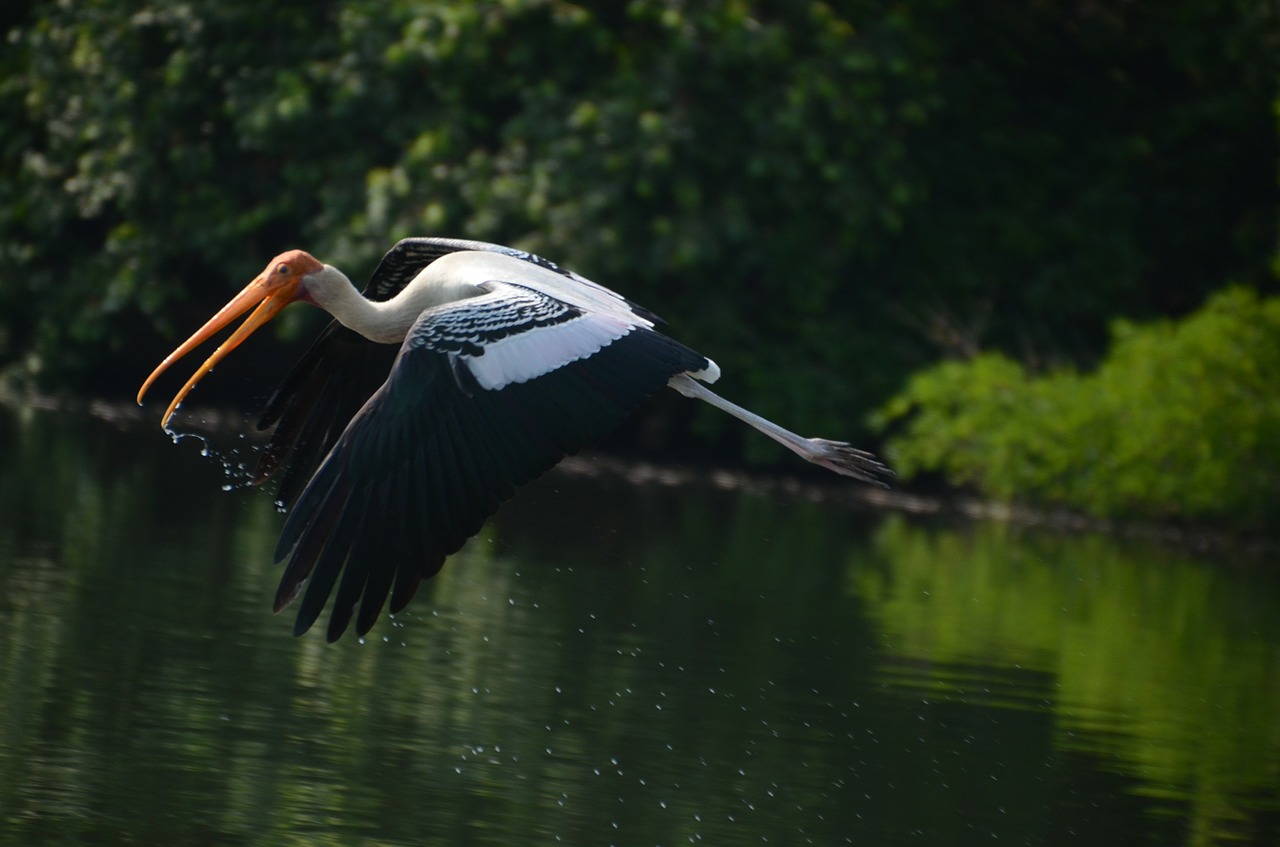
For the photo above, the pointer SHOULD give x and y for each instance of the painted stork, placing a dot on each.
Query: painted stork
(464, 370)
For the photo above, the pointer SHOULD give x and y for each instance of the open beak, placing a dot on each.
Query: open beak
(269, 292)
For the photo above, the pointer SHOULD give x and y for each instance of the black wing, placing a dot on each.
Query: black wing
(484, 396)
(334, 378)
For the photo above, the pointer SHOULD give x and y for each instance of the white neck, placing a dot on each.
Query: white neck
(385, 322)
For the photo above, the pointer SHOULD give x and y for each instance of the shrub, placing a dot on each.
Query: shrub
(1182, 419)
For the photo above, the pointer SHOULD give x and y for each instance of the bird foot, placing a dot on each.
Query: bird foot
(847, 460)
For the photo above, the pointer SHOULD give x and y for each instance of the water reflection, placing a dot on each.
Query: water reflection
(1158, 666)
(610, 663)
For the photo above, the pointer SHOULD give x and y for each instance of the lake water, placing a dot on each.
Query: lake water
(616, 663)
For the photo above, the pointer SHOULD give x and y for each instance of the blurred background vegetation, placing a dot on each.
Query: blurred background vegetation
(1037, 237)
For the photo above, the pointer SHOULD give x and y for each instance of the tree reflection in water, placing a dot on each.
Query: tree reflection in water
(615, 663)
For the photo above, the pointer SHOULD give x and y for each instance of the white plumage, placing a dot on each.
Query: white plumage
(505, 363)
(527, 355)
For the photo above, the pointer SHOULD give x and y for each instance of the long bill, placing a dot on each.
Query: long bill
(269, 294)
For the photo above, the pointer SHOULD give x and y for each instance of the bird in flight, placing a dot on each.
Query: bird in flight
(463, 371)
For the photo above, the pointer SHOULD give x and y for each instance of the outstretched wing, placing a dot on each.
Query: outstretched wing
(485, 395)
(334, 378)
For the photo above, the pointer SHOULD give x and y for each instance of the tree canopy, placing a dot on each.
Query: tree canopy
(824, 196)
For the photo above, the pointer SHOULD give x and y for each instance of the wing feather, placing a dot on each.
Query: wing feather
(428, 459)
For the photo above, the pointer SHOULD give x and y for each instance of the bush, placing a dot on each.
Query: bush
(1182, 419)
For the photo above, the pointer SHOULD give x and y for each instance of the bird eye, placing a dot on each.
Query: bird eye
(282, 269)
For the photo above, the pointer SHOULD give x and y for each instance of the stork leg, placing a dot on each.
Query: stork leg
(837, 456)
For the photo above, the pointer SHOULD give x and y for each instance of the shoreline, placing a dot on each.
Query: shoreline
(602, 464)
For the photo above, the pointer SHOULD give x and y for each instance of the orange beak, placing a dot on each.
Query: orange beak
(276, 287)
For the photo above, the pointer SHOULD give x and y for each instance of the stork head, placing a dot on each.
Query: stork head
(279, 284)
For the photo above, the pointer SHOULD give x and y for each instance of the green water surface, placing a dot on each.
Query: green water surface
(616, 663)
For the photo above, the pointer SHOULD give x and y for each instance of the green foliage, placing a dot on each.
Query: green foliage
(1180, 419)
(821, 195)
(1145, 653)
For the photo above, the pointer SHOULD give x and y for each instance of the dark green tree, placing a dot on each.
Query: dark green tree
(822, 196)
